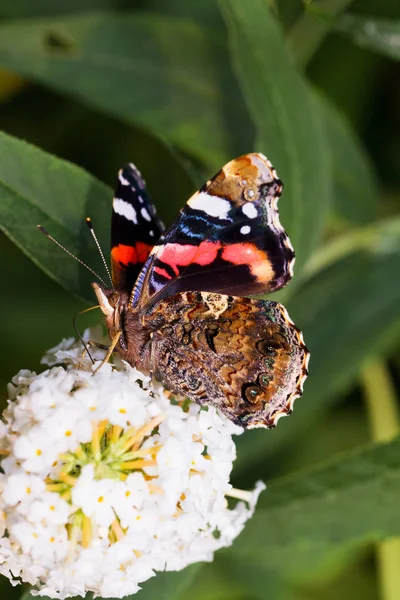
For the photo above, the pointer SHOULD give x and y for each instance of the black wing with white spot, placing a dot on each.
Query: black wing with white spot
(135, 228)
(227, 238)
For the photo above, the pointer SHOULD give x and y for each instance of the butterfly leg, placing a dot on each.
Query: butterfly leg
(94, 344)
(91, 344)
(110, 350)
(152, 363)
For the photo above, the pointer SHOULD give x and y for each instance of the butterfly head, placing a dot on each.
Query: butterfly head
(113, 304)
(134, 341)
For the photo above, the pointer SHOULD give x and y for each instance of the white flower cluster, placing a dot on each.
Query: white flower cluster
(105, 481)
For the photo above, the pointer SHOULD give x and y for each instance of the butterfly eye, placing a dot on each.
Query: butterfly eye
(113, 299)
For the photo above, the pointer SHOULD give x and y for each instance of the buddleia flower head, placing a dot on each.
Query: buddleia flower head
(105, 481)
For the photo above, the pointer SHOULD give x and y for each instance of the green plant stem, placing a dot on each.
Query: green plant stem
(381, 401)
(384, 420)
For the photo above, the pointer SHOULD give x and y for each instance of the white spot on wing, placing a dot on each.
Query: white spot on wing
(125, 210)
(151, 233)
(291, 267)
(245, 229)
(122, 179)
(211, 205)
(145, 214)
(249, 210)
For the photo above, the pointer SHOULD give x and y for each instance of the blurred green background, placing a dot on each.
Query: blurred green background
(179, 88)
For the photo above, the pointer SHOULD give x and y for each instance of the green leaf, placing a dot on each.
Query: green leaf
(385, 9)
(27, 8)
(289, 129)
(39, 314)
(168, 75)
(205, 12)
(244, 575)
(309, 31)
(380, 35)
(38, 188)
(9, 591)
(355, 191)
(227, 578)
(168, 586)
(287, 12)
(348, 310)
(301, 520)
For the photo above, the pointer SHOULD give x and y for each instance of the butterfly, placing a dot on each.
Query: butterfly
(178, 308)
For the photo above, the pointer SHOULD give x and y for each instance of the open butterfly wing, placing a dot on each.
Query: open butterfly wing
(135, 228)
(227, 238)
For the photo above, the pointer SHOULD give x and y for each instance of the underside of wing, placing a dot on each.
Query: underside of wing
(227, 239)
(135, 228)
(244, 356)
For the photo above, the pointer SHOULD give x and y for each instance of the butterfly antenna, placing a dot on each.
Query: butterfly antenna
(90, 225)
(46, 233)
(85, 345)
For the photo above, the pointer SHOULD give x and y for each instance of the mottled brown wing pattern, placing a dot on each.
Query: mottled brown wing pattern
(244, 356)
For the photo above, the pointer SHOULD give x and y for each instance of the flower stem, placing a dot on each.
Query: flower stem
(381, 401)
(384, 421)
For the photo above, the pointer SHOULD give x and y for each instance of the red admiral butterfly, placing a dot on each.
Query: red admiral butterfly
(168, 312)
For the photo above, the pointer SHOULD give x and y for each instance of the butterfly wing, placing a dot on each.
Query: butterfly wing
(135, 228)
(244, 356)
(227, 238)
